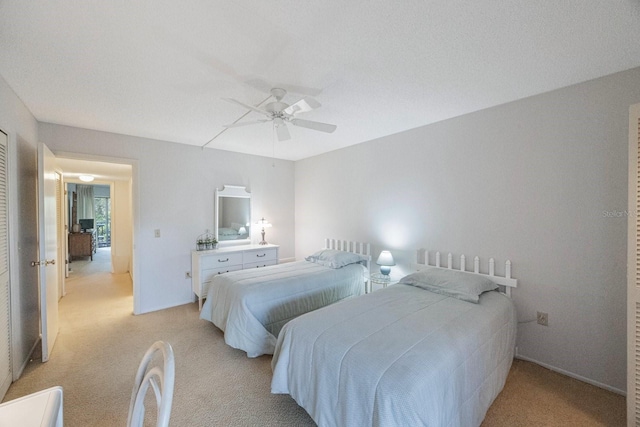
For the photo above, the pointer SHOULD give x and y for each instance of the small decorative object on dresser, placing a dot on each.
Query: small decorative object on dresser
(206, 241)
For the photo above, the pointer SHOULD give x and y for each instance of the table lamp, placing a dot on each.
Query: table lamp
(385, 261)
(264, 224)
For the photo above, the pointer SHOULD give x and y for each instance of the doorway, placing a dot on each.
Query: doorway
(89, 213)
(106, 216)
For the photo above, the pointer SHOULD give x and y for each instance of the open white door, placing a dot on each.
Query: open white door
(48, 248)
(633, 271)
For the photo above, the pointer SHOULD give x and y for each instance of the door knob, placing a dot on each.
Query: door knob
(45, 262)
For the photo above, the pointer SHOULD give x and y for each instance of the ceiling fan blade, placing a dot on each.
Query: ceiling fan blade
(322, 127)
(250, 107)
(236, 125)
(282, 131)
(302, 106)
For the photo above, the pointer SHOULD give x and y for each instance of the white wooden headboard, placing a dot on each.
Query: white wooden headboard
(506, 281)
(360, 248)
(349, 246)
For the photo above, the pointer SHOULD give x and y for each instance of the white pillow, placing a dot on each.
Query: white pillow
(335, 259)
(456, 284)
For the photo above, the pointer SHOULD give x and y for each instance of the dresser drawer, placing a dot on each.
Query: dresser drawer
(260, 264)
(259, 255)
(208, 275)
(221, 260)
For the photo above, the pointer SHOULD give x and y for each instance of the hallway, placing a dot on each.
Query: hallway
(80, 268)
(95, 319)
(93, 293)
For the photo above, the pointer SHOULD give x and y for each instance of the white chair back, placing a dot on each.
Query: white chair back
(161, 380)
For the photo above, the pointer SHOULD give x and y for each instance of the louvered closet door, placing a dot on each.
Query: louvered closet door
(5, 313)
(633, 272)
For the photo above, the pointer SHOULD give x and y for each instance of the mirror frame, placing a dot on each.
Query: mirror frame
(231, 191)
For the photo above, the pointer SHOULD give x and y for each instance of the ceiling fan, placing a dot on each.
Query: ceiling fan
(281, 113)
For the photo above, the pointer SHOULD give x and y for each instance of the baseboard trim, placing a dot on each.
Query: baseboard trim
(25, 362)
(572, 375)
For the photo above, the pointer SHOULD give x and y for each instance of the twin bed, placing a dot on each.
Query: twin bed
(435, 349)
(251, 306)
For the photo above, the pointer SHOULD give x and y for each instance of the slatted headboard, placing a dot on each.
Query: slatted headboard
(354, 247)
(506, 281)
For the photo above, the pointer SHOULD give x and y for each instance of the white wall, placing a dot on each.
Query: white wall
(539, 181)
(121, 228)
(19, 123)
(175, 193)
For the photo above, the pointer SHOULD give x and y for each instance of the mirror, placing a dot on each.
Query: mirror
(233, 215)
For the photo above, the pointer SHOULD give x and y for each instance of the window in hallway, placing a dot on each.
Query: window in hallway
(102, 210)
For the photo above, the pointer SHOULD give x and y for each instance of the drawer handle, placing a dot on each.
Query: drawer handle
(223, 260)
(260, 256)
(222, 272)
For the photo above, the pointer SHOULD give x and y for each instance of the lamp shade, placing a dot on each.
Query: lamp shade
(385, 258)
(263, 223)
(385, 261)
(242, 231)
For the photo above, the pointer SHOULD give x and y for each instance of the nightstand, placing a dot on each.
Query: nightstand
(380, 280)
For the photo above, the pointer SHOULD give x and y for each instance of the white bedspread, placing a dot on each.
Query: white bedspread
(402, 356)
(251, 306)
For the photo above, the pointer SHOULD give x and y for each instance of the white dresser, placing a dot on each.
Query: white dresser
(205, 265)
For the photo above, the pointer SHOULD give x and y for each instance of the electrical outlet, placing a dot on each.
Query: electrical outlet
(187, 275)
(156, 232)
(543, 318)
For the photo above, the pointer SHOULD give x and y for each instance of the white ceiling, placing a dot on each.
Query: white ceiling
(158, 69)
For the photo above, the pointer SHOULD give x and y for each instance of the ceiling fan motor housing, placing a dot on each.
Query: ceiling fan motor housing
(275, 107)
(278, 93)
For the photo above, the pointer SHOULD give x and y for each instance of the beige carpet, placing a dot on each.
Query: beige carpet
(101, 343)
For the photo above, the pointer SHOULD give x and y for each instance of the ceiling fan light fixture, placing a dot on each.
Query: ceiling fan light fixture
(281, 130)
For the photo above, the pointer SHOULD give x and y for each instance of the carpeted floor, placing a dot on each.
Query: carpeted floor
(101, 343)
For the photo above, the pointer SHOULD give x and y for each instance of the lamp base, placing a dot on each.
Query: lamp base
(385, 270)
(263, 242)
